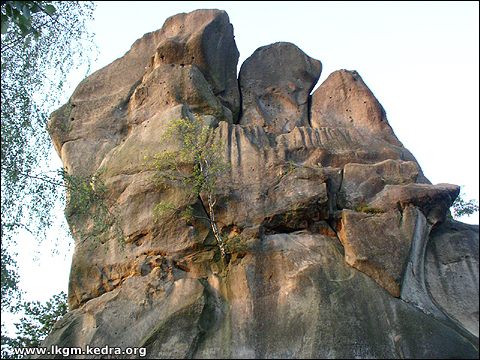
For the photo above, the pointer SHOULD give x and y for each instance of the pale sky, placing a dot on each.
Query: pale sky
(420, 59)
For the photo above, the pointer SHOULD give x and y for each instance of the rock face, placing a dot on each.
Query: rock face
(338, 246)
(276, 82)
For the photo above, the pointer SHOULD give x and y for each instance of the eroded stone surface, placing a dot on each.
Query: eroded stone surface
(280, 302)
(433, 200)
(275, 82)
(452, 271)
(344, 100)
(378, 244)
(325, 217)
(361, 182)
(203, 38)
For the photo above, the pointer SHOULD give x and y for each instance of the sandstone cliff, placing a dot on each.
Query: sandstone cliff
(338, 244)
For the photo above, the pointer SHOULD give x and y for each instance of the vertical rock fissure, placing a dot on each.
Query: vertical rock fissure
(309, 110)
(240, 109)
(414, 289)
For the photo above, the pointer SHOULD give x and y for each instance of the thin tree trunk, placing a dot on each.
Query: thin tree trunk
(211, 213)
(214, 227)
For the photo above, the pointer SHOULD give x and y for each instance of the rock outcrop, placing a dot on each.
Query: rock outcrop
(338, 245)
(275, 83)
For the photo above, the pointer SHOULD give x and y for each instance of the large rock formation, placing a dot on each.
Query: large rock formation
(338, 244)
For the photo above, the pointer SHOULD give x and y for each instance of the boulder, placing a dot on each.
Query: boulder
(344, 100)
(378, 244)
(433, 200)
(451, 270)
(361, 182)
(275, 82)
(203, 38)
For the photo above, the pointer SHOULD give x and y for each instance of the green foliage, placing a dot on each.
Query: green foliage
(87, 200)
(35, 325)
(235, 245)
(19, 14)
(461, 207)
(9, 279)
(364, 208)
(195, 166)
(165, 209)
(42, 42)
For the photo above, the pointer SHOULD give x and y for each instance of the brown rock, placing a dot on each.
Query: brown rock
(274, 303)
(94, 120)
(378, 244)
(275, 82)
(433, 200)
(203, 38)
(344, 100)
(171, 85)
(284, 290)
(361, 182)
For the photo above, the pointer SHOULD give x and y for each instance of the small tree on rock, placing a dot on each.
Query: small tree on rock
(195, 166)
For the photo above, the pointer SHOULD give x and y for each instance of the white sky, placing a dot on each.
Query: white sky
(421, 60)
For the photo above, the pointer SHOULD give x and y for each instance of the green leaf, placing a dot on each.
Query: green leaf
(4, 24)
(32, 74)
(9, 10)
(35, 8)
(26, 12)
(23, 29)
(25, 21)
(50, 9)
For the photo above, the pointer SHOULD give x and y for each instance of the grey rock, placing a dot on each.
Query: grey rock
(281, 301)
(451, 271)
(433, 200)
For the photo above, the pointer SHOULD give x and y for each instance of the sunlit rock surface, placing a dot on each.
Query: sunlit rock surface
(340, 247)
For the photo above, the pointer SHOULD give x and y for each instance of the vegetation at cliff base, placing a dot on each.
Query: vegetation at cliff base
(37, 322)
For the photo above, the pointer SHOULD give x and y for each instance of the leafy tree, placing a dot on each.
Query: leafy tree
(42, 42)
(202, 155)
(463, 207)
(35, 325)
(19, 13)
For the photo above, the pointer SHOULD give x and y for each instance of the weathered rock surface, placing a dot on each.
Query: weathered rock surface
(451, 267)
(293, 298)
(378, 244)
(433, 200)
(275, 83)
(361, 182)
(203, 38)
(338, 246)
(344, 100)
